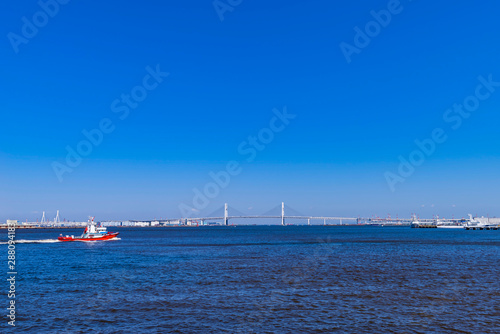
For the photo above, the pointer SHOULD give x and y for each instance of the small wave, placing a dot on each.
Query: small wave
(40, 241)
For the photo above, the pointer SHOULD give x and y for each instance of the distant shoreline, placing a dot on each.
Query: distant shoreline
(191, 226)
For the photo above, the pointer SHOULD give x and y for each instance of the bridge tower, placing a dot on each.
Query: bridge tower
(57, 219)
(43, 218)
(226, 220)
(283, 213)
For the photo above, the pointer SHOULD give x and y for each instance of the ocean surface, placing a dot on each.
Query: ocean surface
(258, 279)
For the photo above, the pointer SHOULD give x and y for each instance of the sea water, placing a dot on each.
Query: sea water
(258, 279)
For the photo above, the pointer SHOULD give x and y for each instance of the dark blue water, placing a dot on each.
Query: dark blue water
(260, 279)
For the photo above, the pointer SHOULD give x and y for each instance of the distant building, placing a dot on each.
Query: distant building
(111, 223)
(486, 220)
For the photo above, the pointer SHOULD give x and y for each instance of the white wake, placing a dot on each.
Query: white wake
(40, 241)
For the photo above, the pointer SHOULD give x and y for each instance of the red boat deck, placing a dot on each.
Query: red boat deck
(104, 237)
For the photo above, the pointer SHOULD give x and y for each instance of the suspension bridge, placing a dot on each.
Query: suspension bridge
(224, 217)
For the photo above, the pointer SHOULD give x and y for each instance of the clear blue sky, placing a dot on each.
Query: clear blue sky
(353, 120)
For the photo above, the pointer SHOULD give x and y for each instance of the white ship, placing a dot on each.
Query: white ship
(449, 224)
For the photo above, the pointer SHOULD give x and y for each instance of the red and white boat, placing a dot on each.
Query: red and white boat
(92, 233)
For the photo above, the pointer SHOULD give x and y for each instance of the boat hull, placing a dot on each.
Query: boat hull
(108, 236)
